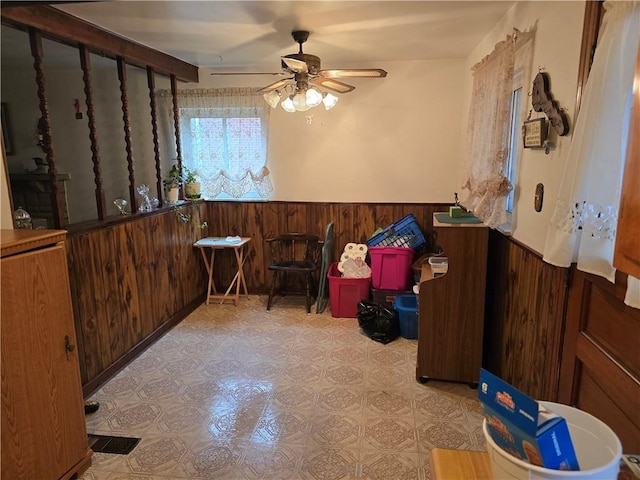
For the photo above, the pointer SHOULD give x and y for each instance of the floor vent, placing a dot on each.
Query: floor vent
(116, 445)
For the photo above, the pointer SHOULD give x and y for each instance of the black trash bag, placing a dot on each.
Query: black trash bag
(378, 322)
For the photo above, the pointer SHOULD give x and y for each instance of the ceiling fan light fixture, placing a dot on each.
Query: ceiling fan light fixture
(272, 98)
(300, 101)
(287, 105)
(314, 97)
(307, 83)
(329, 101)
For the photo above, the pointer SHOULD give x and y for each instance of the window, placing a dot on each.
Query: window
(493, 127)
(514, 135)
(224, 140)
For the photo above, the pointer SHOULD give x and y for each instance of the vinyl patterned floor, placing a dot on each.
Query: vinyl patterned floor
(242, 393)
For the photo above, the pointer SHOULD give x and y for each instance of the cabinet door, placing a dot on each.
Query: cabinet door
(43, 425)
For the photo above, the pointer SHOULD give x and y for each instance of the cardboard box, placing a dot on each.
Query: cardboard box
(522, 427)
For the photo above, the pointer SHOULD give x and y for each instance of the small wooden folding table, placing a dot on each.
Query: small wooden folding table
(221, 243)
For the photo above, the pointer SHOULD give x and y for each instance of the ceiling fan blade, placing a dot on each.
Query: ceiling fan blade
(334, 85)
(293, 65)
(248, 73)
(353, 72)
(274, 86)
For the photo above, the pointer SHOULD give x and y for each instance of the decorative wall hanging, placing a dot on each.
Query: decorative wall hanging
(534, 133)
(542, 101)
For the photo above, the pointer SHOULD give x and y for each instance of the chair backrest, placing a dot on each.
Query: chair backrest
(295, 247)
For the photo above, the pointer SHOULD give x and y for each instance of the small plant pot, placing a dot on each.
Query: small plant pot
(192, 190)
(172, 195)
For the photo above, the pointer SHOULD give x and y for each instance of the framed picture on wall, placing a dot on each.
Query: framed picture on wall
(534, 133)
(6, 130)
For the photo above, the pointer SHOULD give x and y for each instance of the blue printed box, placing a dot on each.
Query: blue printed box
(522, 427)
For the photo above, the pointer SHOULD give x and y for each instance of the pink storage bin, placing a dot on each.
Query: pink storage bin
(345, 293)
(390, 267)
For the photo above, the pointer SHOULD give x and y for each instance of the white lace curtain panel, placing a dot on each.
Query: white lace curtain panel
(585, 218)
(224, 139)
(488, 134)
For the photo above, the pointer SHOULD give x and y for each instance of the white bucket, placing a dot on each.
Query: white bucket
(597, 447)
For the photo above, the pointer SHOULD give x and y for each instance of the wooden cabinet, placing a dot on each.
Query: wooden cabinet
(43, 426)
(451, 307)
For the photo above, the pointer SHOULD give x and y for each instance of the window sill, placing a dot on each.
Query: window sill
(504, 229)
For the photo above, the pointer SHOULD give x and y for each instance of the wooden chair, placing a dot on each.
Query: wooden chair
(297, 255)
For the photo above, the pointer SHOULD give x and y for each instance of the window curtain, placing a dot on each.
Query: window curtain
(224, 135)
(583, 225)
(488, 134)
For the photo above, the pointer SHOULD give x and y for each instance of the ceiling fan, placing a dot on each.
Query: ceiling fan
(300, 91)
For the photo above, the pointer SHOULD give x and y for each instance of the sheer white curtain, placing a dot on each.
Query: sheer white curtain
(223, 136)
(488, 134)
(583, 225)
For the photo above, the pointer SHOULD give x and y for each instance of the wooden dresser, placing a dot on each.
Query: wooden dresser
(43, 426)
(451, 307)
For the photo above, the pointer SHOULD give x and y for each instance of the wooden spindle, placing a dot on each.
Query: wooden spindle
(151, 82)
(124, 97)
(44, 128)
(176, 124)
(85, 63)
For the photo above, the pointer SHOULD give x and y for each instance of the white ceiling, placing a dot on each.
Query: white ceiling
(245, 35)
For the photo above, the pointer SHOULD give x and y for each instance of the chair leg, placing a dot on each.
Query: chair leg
(273, 288)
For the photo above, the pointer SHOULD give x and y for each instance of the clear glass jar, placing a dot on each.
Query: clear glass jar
(22, 218)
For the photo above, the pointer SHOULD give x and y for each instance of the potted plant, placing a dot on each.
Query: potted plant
(172, 184)
(191, 185)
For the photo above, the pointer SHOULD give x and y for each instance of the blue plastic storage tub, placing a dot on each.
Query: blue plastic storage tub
(407, 308)
(404, 233)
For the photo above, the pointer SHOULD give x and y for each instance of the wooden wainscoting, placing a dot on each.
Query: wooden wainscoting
(261, 220)
(601, 355)
(525, 306)
(130, 282)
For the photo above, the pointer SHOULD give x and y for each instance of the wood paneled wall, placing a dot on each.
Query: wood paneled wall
(130, 282)
(524, 317)
(261, 220)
